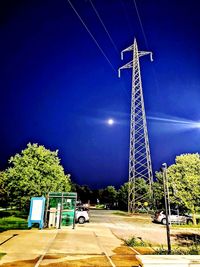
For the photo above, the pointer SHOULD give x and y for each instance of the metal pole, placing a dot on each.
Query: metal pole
(164, 171)
(46, 211)
(74, 213)
(168, 199)
(61, 209)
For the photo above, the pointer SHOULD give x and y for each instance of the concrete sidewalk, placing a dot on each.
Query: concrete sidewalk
(79, 247)
(26, 245)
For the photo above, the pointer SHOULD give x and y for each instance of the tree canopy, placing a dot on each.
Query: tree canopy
(123, 196)
(184, 179)
(109, 195)
(34, 172)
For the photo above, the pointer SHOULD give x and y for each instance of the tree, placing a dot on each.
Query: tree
(109, 195)
(34, 172)
(184, 179)
(142, 194)
(123, 196)
(84, 192)
(158, 193)
(3, 193)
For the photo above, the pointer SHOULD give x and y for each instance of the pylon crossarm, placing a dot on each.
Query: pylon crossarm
(144, 53)
(126, 66)
(126, 50)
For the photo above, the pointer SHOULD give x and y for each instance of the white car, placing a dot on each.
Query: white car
(82, 215)
(173, 218)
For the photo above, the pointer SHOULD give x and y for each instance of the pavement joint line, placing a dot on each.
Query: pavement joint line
(8, 239)
(44, 253)
(104, 251)
(135, 251)
(80, 254)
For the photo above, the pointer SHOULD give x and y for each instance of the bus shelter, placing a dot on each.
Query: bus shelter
(60, 209)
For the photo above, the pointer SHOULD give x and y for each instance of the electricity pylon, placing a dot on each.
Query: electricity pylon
(139, 156)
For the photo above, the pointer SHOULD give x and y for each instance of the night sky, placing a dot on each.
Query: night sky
(59, 84)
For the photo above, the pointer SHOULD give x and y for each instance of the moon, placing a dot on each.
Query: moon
(110, 121)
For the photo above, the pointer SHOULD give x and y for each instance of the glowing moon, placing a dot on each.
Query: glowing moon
(110, 121)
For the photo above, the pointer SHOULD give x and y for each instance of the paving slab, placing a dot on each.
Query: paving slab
(26, 245)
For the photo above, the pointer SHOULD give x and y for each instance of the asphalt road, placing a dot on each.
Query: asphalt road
(141, 225)
(125, 227)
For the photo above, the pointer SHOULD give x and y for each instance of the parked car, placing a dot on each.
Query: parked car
(175, 218)
(82, 215)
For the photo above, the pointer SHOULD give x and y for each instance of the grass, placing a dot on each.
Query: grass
(2, 254)
(185, 226)
(136, 242)
(193, 249)
(12, 222)
(100, 206)
(13, 212)
(121, 213)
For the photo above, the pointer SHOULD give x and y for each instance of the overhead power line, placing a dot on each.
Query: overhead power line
(97, 44)
(146, 42)
(142, 28)
(106, 30)
(91, 35)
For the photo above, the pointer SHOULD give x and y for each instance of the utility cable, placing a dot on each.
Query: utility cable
(91, 35)
(97, 44)
(146, 42)
(140, 21)
(109, 36)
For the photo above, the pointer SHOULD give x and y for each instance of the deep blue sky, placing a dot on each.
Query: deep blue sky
(57, 89)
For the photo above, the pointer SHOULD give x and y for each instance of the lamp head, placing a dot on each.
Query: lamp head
(163, 167)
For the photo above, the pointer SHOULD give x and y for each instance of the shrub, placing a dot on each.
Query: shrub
(135, 242)
(12, 222)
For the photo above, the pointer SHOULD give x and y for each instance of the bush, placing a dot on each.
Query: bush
(12, 222)
(192, 250)
(2, 254)
(135, 242)
(16, 213)
(100, 206)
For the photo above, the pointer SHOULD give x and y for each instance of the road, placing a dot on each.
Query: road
(125, 227)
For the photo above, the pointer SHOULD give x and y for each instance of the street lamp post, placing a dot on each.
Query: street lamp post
(166, 195)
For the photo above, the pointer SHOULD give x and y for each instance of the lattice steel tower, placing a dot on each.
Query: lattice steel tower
(139, 155)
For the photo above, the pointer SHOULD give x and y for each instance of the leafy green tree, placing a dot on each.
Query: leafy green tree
(123, 196)
(84, 193)
(34, 172)
(158, 193)
(109, 195)
(142, 194)
(3, 193)
(184, 179)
